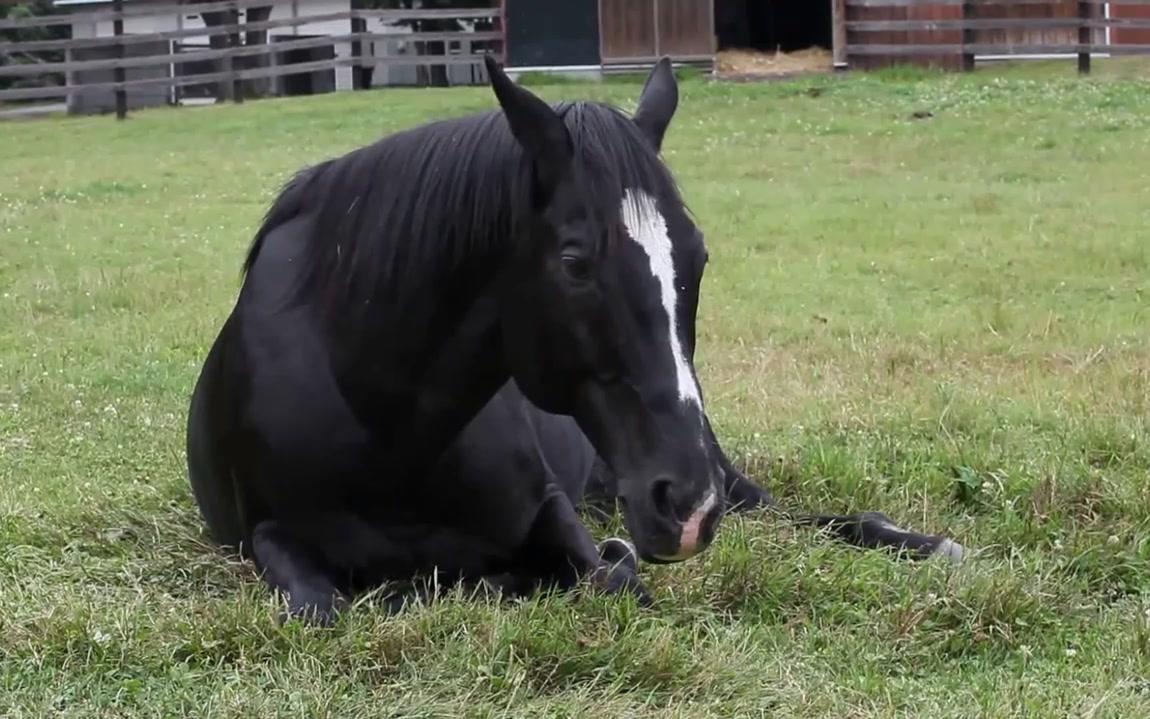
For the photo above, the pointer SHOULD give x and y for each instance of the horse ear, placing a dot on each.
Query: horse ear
(657, 103)
(534, 124)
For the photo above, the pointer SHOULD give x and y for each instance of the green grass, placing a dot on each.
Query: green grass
(947, 319)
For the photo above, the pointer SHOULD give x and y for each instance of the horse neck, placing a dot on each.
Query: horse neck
(428, 363)
(461, 374)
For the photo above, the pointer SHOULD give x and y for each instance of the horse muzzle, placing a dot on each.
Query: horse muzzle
(695, 533)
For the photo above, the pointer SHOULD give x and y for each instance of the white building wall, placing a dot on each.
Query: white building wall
(390, 74)
(144, 25)
(283, 10)
(384, 74)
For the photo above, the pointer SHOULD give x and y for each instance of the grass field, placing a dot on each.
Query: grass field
(946, 318)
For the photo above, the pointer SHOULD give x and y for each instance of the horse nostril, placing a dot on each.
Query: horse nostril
(661, 497)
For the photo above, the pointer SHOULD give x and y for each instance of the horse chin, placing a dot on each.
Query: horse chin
(680, 555)
(684, 541)
(661, 549)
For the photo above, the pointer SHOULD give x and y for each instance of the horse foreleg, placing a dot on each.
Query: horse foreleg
(876, 530)
(294, 570)
(321, 563)
(560, 552)
(873, 530)
(742, 494)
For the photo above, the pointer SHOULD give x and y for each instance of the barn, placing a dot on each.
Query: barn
(953, 35)
(558, 36)
(607, 35)
(555, 35)
(133, 53)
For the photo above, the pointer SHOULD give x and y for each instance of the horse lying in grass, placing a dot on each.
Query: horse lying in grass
(448, 339)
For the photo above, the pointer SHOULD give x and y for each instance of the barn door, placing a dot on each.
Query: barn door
(685, 28)
(645, 30)
(626, 29)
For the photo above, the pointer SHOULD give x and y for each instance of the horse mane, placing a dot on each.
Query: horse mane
(402, 213)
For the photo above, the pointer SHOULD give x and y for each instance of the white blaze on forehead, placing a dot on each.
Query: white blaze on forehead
(648, 229)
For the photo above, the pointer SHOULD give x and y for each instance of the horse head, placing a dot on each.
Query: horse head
(598, 309)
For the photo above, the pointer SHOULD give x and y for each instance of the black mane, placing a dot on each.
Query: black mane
(404, 211)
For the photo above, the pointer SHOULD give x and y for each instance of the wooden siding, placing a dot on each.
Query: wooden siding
(685, 27)
(643, 30)
(1126, 35)
(947, 60)
(953, 33)
(627, 29)
(1033, 36)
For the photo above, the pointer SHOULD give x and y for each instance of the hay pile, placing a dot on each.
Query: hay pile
(750, 63)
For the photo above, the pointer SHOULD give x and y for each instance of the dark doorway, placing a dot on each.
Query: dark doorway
(771, 25)
(561, 32)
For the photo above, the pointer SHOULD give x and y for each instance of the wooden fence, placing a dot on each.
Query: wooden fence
(238, 50)
(952, 33)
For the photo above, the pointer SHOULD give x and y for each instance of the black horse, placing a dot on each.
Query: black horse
(447, 339)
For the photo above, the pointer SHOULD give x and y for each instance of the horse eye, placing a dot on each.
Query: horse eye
(576, 267)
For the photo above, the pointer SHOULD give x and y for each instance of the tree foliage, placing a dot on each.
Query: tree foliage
(31, 8)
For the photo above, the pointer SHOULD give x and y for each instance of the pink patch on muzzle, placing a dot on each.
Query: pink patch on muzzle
(692, 529)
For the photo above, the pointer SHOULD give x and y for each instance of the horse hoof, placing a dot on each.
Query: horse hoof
(950, 549)
(314, 608)
(501, 586)
(311, 615)
(615, 550)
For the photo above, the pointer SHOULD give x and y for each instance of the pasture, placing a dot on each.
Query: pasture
(927, 295)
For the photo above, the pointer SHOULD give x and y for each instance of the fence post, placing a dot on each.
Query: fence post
(234, 41)
(1084, 39)
(968, 37)
(347, 69)
(839, 33)
(118, 74)
(360, 72)
(223, 87)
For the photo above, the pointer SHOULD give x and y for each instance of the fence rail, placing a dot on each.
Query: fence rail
(983, 3)
(151, 10)
(955, 32)
(238, 51)
(999, 24)
(255, 50)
